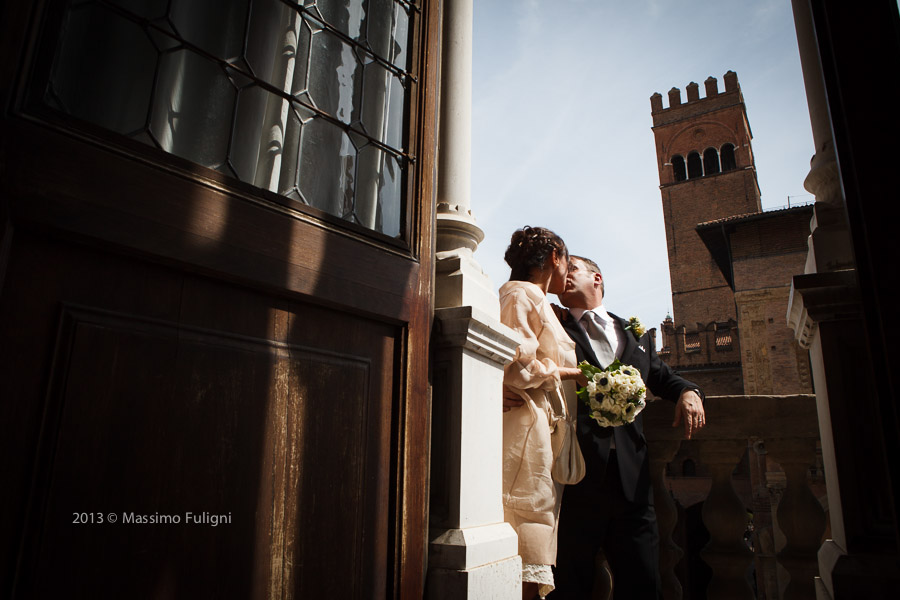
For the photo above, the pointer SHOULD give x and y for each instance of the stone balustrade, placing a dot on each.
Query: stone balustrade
(787, 428)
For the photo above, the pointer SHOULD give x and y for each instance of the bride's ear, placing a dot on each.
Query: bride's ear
(556, 257)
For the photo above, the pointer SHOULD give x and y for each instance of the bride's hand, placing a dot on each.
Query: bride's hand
(511, 399)
(573, 373)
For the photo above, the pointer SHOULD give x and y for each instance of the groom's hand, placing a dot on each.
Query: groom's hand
(511, 399)
(690, 409)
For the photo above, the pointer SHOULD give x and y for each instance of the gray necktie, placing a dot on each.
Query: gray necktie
(599, 341)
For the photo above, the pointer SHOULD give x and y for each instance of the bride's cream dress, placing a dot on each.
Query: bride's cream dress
(531, 498)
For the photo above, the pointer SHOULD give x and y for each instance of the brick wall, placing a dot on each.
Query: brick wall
(767, 252)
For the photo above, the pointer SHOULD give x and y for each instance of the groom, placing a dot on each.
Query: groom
(612, 507)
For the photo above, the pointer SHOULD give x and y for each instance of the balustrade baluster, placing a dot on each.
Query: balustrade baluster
(786, 426)
(662, 452)
(800, 516)
(725, 517)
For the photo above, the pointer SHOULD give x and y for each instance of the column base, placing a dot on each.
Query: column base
(501, 580)
(459, 281)
(472, 547)
(476, 562)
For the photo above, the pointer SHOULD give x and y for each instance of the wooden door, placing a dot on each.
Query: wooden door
(207, 389)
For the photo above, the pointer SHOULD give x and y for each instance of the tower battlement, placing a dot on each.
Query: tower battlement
(696, 105)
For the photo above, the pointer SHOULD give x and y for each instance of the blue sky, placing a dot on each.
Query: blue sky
(561, 123)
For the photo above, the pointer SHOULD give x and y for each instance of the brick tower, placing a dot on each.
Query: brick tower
(706, 172)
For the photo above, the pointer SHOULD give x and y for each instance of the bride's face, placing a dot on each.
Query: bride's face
(560, 264)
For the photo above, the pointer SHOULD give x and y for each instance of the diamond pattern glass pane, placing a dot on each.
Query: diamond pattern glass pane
(193, 117)
(327, 168)
(382, 104)
(97, 47)
(149, 9)
(347, 16)
(335, 76)
(304, 99)
(380, 182)
(248, 132)
(388, 31)
(212, 25)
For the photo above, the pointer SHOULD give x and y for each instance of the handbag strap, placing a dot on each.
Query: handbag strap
(558, 404)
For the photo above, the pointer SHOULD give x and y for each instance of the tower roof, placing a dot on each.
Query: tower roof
(715, 234)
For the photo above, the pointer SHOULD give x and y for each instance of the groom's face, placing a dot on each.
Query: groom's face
(582, 286)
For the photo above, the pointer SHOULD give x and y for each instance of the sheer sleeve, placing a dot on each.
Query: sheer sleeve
(531, 368)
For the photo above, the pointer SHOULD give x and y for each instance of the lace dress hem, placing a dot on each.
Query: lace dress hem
(541, 575)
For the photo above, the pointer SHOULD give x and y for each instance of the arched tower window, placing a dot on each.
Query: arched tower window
(695, 165)
(678, 168)
(728, 162)
(710, 161)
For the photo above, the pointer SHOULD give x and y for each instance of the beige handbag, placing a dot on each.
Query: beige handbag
(568, 463)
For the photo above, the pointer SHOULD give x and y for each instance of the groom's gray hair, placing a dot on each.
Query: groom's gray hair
(593, 268)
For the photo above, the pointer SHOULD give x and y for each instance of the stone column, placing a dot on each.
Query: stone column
(826, 315)
(829, 240)
(827, 306)
(473, 553)
(460, 280)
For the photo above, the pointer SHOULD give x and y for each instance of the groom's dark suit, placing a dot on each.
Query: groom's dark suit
(612, 507)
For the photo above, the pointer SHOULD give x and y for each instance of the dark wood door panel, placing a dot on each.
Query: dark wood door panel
(224, 401)
(187, 341)
(139, 437)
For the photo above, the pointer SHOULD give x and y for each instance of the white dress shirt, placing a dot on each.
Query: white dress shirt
(614, 333)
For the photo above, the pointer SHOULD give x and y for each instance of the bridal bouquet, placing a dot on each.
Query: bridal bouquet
(615, 395)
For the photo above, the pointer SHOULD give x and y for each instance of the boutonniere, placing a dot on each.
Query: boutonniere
(637, 328)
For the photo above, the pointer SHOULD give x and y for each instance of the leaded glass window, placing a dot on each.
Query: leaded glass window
(306, 99)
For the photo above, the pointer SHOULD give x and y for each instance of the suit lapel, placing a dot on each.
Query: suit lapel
(630, 342)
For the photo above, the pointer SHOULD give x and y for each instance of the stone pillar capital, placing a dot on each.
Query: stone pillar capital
(456, 229)
(823, 179)
(818, 297)
(468, 328)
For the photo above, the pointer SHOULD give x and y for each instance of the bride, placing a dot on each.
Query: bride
(544, 366)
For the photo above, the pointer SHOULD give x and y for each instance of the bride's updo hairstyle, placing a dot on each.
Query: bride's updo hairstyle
(530, 248)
